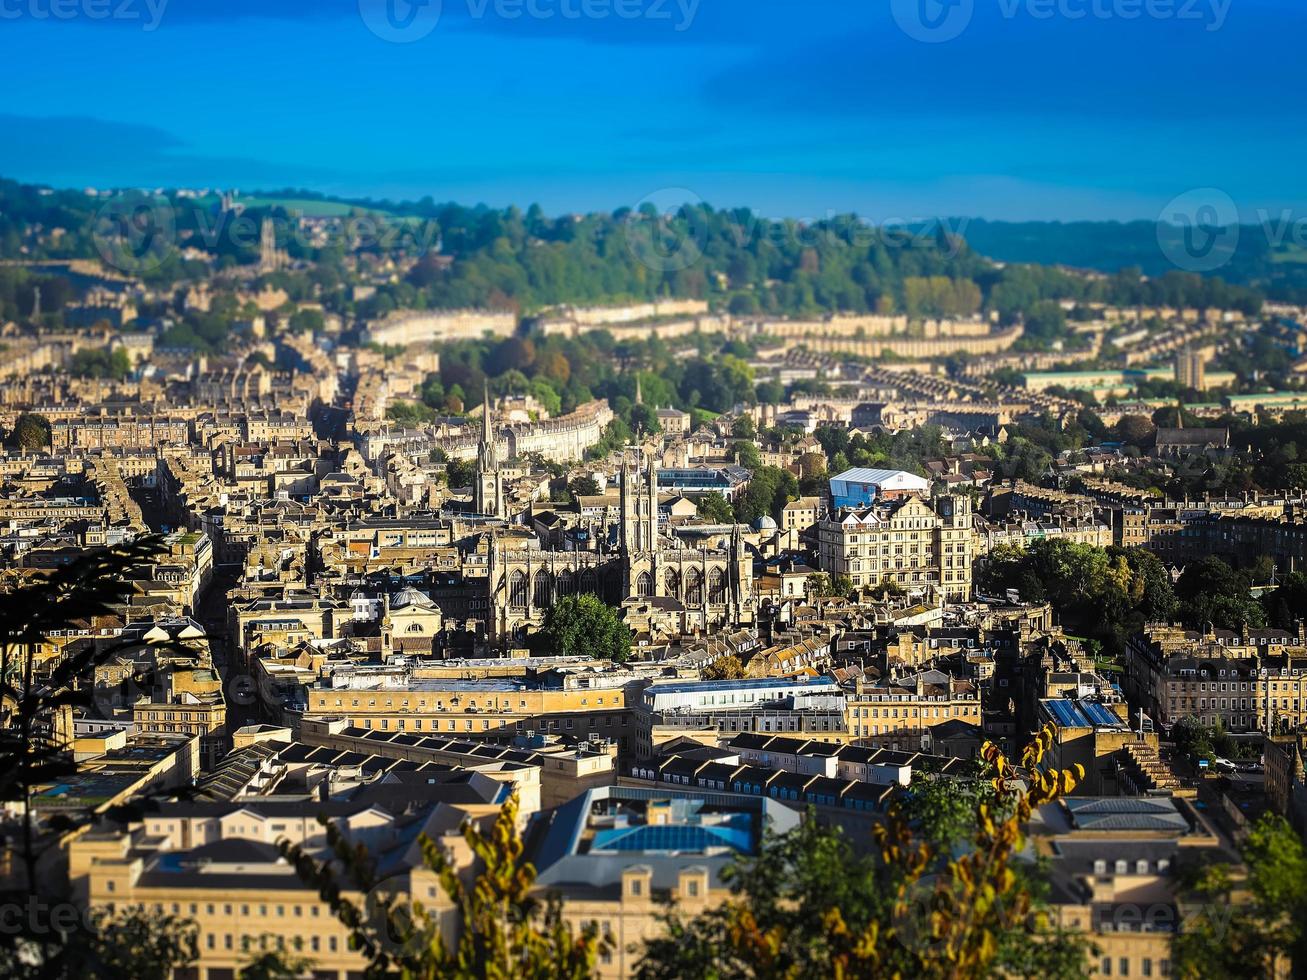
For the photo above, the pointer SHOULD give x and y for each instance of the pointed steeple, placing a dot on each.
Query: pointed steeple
(639, 395)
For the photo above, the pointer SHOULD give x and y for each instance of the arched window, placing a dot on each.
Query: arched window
(644, 585)
(693, 588)
(717, 591)
(566, 582)
(544, 590)
(673, 583)
(517, 590)
(415, 627)
(589, 584)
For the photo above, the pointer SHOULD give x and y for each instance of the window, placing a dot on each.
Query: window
(694, 588)
(544, 590)
(517, 590)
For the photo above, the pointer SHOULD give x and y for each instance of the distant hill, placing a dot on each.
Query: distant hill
(738, 261)
(1266, 259)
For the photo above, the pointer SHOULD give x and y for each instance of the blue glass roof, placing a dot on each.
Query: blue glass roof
(684, 838)
(1082, 714)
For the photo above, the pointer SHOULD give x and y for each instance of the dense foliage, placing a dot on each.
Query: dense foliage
(1107, 593)
(585, 626)
(1103, 593)
(525, 261)
(31, 432)
(1263, 932)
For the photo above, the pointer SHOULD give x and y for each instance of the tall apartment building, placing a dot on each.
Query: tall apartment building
(909, 541)
(1191, 369)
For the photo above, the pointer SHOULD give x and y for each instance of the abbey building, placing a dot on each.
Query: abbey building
(665, 583)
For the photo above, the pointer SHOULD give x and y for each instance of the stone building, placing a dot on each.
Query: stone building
(663, 583)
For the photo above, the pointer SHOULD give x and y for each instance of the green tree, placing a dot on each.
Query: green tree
(1288, 603)
(144, 946)
(1255, 938)
(460, 473)
(409, 413)
(31, 753)
(747, 455)
(769, 490)
(714, 508)
(1210, 591)
(584, 626)
(584, 486)
(31, 432)
(1102, 593)
(825, 586)
(504, 932)
(100, 363)
(306, 321)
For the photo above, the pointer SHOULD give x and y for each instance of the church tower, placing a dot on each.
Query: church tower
(650, 515)
(628, 527)
(638, 531)
(488, 491)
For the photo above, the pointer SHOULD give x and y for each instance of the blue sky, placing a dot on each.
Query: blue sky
(1060, 109)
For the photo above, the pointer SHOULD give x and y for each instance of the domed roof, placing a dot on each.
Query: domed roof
(410, 597)
(765, 523)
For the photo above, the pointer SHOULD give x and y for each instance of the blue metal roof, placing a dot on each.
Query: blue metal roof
(683, 838)
(1081, 714)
